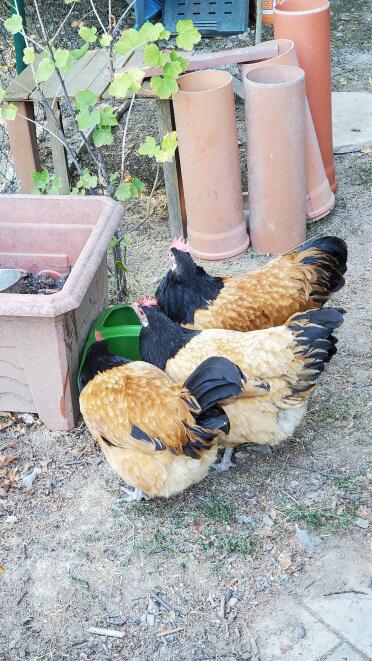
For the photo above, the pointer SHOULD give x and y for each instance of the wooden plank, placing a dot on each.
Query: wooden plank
(238, 87)
(23, 145)
(85, 78)
(135, 61)
(22, 87)
(58, 150)
(52, 88)
(170, 172)
(264, 51)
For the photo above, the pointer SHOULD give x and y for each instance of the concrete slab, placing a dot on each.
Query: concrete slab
(348, 614)
(292, 634)
(352, 121)
(344, 653)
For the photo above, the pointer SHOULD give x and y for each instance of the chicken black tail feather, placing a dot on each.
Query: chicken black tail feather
(213, 381)
(330, 262)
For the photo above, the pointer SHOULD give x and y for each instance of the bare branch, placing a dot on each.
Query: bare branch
(124, 138)
(63, 22)
(40, 20)
(98, 16)
(118, 24)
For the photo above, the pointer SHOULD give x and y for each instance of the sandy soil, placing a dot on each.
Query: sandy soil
(190, 578)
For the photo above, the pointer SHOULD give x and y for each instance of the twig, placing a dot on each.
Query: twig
(98, 16)
(135, 229)
(315, 470)
(160, 601)
(169, 631)
(23, 595)
(110, 633)
(124, 139)
(40, 20)
(63, 23)
(109, 15)
(117, 26)
(330, 594)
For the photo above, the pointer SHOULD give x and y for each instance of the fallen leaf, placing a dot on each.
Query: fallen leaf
(6, 424)
(370, 82)
(2, 570)
(366, 150)
(265, 531)
(343, 80)
(285, 560)
(7, 459)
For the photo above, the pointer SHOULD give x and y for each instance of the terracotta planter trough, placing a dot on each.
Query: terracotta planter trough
(41, 336)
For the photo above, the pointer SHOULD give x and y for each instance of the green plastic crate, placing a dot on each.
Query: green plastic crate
(120, 327)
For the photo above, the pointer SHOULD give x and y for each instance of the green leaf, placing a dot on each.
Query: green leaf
(56, 184)
(63, 59)
(29, 55)
(126, 82)
(102, 136)
(113, 243)
(41, 179)
(119, 264)
(87, 180)
(85, 99)
(78, 191)
(14, 23)
(45, 70)
(164, 36)
(89, 35)
(153, 56)
(105, 40)
(163, 86)
(86, 118)
(172, 69)
(149, 147)
(2, 95)
(136, 187)
(8, 112)
(114, 177)
(188, 35)
(129, 40)
(123, 192)
(169, 142)
(107, 117)
(181, 60)
(150, 31)
(77, 53)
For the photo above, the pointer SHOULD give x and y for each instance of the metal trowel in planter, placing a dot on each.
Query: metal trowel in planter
(9, 278)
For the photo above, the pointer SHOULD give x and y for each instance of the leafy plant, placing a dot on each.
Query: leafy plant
(95, 122)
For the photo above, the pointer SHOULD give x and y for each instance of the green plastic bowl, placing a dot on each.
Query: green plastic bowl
(120, 327)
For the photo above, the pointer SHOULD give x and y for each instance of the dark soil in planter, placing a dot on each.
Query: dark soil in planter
(39, 284)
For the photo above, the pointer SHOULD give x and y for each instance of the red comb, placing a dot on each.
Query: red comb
(146, 301)
(99, 337)
(180, 244)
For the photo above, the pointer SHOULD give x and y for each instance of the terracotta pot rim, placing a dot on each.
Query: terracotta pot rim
(299, 12)
(198, 74)
(275, 70)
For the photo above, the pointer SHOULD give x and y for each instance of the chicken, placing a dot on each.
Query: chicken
(157, 435)
(289, 357)
(297, 281)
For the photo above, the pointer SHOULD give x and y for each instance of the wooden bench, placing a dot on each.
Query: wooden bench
(92, 72)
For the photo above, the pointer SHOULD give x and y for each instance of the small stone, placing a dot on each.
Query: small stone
(10, 520)
(212, 639)
(285, 560)
(246, 520)
(27, 480)
(265, 531)
(361, 523)
(250, 493)
(232, 602)
(111, 554)
(267, 520)
(27, 418)
(115, 620)
(268, 546)
(150, 619)
(308, 539)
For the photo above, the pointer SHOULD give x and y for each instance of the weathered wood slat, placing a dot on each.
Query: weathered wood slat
(52, 88)
(58, 150)
(22, 87)
(170, 172)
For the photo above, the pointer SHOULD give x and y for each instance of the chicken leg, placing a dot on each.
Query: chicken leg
(225, 464)
(133, 495)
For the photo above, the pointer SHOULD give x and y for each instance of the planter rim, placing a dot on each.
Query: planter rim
(275, 70)
(299, 12)
(82, 272)
(198, 74)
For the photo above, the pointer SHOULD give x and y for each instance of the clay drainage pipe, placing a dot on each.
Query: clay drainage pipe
(275, 120)
(307, 23)
(205, 119)
(319, 199)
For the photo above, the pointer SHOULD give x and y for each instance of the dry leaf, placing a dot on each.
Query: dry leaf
(6, 424)
(370, 82)
(265, 531)
(366, 150)
(285, 560)
(343, 80)
(2, 570)
(6, 459)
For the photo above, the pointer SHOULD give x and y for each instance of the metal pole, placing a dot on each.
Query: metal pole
(258, 21)
(19, 40)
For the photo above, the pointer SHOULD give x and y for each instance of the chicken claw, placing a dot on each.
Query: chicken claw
(225, 464)
(133, 495)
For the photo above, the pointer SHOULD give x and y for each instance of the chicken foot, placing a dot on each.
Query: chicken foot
(225, 464)
(133, 495)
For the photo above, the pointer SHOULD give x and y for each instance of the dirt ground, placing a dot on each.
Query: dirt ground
(191, 578)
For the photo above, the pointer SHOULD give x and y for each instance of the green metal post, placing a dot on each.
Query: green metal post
(19, 40)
